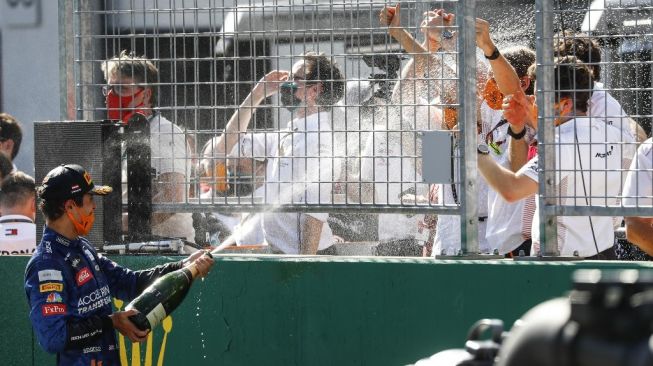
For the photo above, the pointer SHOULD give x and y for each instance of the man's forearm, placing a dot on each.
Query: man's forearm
(238, 123)
(639, 231)
(517, 153)
(311, 232)
(510, 186)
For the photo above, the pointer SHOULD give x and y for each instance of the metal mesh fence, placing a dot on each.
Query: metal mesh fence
(586, 150)
(350, 131)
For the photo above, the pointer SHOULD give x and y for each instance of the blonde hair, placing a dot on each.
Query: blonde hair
(138, 68)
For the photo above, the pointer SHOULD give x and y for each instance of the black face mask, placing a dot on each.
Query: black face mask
(239, 185)
(288, 99)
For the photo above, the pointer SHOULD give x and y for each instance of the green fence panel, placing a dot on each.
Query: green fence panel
(268, 310)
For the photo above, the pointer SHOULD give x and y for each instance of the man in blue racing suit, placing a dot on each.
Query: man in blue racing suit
(70, 287)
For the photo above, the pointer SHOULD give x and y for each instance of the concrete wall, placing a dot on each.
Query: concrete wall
(284, 310)
(29, 61)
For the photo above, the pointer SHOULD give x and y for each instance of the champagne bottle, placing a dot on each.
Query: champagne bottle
(162, 297)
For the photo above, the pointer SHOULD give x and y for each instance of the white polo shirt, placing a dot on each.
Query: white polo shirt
(598, 150)
(604, 105)
(17, 235)
(447, 233)
(171, 154)
(638, 189)
(505, 223)
(300, 170)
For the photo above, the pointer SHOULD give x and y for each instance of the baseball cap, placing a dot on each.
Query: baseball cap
(66, 181)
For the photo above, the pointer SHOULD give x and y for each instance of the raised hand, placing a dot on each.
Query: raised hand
(483, 38)
(390, 16)
(434, 23)
(269, 84)
(520, 110)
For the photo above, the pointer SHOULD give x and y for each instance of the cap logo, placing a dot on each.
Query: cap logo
(75, 189)
(87, 178)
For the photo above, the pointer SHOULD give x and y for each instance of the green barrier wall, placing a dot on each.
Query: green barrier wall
(317, 311)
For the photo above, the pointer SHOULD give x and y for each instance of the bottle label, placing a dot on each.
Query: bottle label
(156, 316)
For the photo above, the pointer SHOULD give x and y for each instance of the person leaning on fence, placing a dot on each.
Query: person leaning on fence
(582, 145)
(301, 168)
(602, 103)
(11, 136)
(69, 286)
(638, 192)
(17, 214)
(508, 230)
(129, 91)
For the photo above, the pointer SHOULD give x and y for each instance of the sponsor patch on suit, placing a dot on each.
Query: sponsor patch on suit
(50, 275)
(50, 287)
(53, 309)
(84, 275)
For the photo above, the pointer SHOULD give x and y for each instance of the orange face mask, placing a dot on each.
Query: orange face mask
(492, 95)
(450, 117)
(221, 177)
(84, 226)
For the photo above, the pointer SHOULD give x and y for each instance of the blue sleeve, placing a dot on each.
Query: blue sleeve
(122, 281)
(47, 296)
(126, 284)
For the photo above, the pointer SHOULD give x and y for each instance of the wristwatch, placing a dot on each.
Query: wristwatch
(495, 54)
(517, 136)
(483, 149)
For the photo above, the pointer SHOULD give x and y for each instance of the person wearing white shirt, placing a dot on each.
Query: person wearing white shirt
(602, 104)
(301, 168)
(588, 152)
(128, 93)
(638, 192)
(18, 208)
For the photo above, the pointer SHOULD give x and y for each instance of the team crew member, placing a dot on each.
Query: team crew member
(18, 208)
(69, 286)
(602, 103)
(128, 92)
(581, 144)
(301, 166)
(638, 192)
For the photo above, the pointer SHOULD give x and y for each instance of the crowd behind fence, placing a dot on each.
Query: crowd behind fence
(373, 134)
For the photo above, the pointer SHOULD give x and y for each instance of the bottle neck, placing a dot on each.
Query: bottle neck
(193, 270)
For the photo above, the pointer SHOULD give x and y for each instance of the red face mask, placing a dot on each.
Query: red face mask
(119, 108)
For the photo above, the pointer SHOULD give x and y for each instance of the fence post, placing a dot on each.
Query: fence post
(546, 129)
(467, 125)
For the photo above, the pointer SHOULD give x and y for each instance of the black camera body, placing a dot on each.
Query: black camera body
(607, 320)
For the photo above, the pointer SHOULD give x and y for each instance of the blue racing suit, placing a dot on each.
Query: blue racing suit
(70, 288)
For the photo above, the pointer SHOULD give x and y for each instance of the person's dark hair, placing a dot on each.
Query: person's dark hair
(321, 68)
(521, 58)
(139, 68)
(53, 209)
(16, 188)
(5, 166)
(573, 80)
(10, 130)
(580, 45)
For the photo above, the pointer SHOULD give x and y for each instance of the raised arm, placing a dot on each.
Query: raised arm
(423, 61)
(239, 121)
(504, 73)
